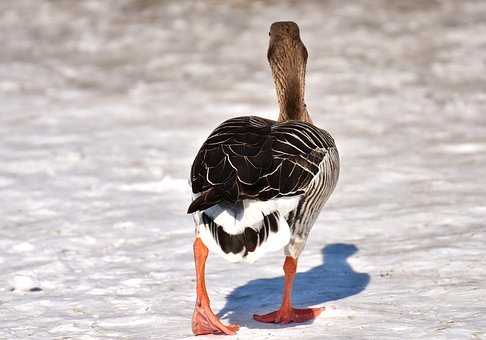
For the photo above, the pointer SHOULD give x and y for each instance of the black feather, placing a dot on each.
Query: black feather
(248, 241)
(256, 158)
(251, 239)
(230, 243)
(205, 200)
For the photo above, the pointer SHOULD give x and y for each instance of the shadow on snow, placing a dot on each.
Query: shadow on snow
(334, 279)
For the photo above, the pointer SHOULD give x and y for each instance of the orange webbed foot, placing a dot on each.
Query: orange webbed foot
(289, 315)
(205, 322)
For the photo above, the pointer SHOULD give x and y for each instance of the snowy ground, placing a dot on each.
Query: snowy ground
(104, 104)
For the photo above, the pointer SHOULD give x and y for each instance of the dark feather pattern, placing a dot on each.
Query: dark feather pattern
(249, 240)
(255, 158)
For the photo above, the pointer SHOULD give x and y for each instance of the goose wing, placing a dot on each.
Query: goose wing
(255, 158)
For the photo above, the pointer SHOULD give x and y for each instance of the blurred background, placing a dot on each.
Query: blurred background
(103, 106)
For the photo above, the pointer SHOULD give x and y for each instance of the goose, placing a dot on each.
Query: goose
(258, 185)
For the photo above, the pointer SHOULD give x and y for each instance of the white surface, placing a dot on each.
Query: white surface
(103, 108)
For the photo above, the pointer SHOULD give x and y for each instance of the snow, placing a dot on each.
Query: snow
(23, 283)
(104, 105)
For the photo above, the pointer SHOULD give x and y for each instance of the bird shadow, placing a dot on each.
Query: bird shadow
(334, 279)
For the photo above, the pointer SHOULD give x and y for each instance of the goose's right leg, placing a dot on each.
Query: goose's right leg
(287, 313)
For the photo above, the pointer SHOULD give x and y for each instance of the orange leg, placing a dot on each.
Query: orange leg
(287, 313)
(203, 320)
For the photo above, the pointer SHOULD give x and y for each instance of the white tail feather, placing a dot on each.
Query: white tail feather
(274, 241)
(234, 219)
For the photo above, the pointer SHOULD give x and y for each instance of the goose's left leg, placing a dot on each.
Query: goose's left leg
(203, 320)
(287, 313)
